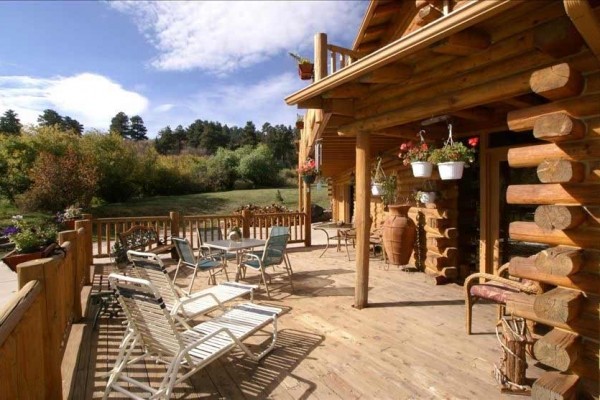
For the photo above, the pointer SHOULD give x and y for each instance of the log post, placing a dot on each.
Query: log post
(308, 215)
(559, 217)
(86, 247)
(557, 349)
(175, 218)
(71, 260)
(320, 41)
(362, 219)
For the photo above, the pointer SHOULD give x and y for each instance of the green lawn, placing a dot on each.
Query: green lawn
(203, 203)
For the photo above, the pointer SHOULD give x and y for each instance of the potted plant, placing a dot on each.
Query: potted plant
(452, 158)
(31, 241)
(308, 171)
(305, 67)
(377, 179)
(235, 234)
(68, 217)
(426, 196)
(417, 155)
(389, 186)
(300, 121)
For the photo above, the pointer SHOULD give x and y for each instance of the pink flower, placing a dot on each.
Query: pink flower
(402, 148)
(424, 146)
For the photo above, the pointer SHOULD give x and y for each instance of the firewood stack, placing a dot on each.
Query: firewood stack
(568, 217)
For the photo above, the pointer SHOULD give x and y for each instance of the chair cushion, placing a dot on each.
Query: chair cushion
(495, 292)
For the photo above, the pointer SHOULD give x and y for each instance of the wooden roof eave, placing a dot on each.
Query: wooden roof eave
(456, 21)
(365, 23)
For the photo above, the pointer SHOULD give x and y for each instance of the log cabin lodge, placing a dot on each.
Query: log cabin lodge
(524, 78)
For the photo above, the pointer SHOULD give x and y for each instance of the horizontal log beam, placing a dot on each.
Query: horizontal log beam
(463, 43)
(531, 156)
(557, 82)
(560, 171)
(530, 232)
(553, 385)
(554, 193)
(558, 304)
(558, 127)
(388, 74)
(558, 38)
(349, 90)
(561, 261)
(557, 349)
(578, 107)
(559, 217)
(524, 267)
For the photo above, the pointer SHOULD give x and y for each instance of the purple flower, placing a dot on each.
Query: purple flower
(10, 230)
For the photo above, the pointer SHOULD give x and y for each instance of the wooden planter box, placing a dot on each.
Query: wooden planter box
(13, 258)
(305, 71)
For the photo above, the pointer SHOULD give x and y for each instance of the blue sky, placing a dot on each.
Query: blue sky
(169, 62)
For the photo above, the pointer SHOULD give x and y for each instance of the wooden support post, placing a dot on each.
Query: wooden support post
(559, 217)
(85, 246)
(557, 349)
(308, 213)
(175, 218)
(362, 219)
(246, 217)
(553, 385)
(320, 56)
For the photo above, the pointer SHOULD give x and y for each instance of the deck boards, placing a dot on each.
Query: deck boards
(409, 344)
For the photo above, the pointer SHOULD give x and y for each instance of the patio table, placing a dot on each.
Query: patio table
(235, 246)
(325, 226)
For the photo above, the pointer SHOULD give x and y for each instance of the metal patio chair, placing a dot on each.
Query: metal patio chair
(213, 233)
(152, 327)
(187, 259)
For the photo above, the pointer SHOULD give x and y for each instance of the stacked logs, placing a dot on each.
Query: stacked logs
(438, 234)
(567, 217)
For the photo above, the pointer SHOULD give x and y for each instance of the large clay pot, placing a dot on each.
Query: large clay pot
(398, 235)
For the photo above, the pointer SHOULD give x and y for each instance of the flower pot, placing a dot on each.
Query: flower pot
(300, 124)
(305, 71)
(398, 235)
(451, 170)
(421, 169)
(376, 189)
(13, 258)
(308, 179)
(427, 197)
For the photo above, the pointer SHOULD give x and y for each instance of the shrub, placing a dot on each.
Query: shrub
(221, 170)
(17, 155)
(58, 181)
(259, 167)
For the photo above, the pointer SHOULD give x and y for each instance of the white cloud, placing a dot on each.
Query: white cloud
(89, 98)
(164, 108)
(236, 104)
(221, 37)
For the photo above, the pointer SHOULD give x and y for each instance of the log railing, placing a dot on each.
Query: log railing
(252, 225)
(35, 323)
(340, 57)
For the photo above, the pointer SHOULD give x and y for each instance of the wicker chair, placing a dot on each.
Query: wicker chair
(495, 288)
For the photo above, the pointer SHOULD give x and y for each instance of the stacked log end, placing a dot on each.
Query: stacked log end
(567, 198)
(436, 253)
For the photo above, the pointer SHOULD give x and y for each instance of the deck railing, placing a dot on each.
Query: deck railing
(36, 322)
(212, 226)
(340, 57)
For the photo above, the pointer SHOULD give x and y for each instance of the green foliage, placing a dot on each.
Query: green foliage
(58, 181)
(452, 152)
(259, 167)
(220, 172)
(299, 59)
(389, 187)
(120, 124)
(17, 155)
(10, 123)
(279, 197)
(137, 130)
(29, 237)
(51, 118)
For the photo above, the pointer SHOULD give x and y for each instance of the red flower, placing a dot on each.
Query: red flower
(403, 147)
(473, 141)
(424, 146)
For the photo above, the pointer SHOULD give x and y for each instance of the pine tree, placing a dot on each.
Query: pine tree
(10, 124)
(120, 124)
(137, 130)
(49, 118)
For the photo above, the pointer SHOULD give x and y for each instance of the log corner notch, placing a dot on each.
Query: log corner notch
(559, 261)
(557, 82)
(558, 349)
(558, 304)
(558, 127)
(555, 385)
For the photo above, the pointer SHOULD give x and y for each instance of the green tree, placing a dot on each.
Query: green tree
(137, 130)
(280, 139)
(120, 124)
(10, 123)
(70, 124)
(180, 137)
(49, 118)
(259, 167)
(249, 135)
(213, 137)
(194, 133)
(166, 142)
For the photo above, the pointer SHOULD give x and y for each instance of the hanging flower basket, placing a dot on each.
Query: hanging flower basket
(421, 169)
(306, 71)
(377, 189)
(308, 179)
(427, 197)
(451, 170)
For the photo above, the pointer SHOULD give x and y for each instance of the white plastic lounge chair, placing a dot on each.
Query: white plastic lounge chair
(152, 328)
(273, 254)
(148, 266)
(187, 259)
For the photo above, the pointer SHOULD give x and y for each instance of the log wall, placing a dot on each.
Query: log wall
(568, 197)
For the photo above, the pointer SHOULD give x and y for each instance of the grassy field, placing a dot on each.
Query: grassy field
(203, 203)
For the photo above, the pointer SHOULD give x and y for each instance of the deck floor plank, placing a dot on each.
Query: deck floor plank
(410, 342)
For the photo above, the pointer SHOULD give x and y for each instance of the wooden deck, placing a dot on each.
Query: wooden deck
(409, 344)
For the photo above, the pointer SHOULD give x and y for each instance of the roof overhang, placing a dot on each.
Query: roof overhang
(456, 21)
